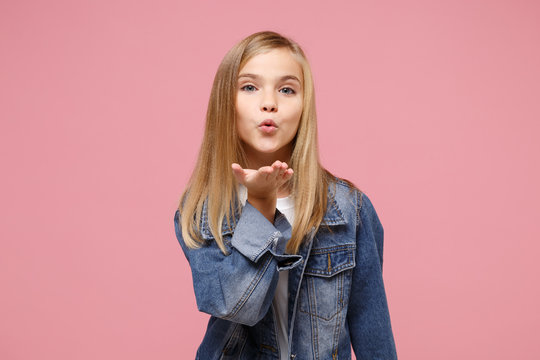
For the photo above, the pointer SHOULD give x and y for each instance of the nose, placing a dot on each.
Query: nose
(269, 107)
(268, 104)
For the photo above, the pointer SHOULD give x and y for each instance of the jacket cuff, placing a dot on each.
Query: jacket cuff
(254, 235)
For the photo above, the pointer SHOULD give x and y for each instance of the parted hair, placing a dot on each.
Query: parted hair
(212, 179)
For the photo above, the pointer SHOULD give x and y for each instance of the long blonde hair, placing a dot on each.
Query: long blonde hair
(212, 178)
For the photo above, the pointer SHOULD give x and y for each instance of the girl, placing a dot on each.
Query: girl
(286, 257)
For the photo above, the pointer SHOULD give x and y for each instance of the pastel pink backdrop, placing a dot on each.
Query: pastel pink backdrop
(430, 107)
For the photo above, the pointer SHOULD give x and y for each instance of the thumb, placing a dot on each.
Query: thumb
(238, 172)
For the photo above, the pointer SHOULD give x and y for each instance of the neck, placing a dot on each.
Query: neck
(256, 160)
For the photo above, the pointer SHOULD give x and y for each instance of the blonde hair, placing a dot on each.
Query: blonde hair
(212, 178)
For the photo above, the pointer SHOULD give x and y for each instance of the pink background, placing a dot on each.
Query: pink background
(431, 107)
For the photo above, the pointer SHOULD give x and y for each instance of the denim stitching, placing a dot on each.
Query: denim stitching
(338, 319)
(258, 276)
(335, 269)
(316, 272)
(360, 203)
(314, 319)
(312, 298)
(320, 316)
(244, 341)
(230, 341)
(269, 242)
(335, 248)
(299, 290)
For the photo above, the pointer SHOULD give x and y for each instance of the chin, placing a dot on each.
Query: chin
(269, 150)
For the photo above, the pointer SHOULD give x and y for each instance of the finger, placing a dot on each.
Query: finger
(285, 167)
(266, 171)
(288, 173)
(271, 169)
(238, 172)
(274, 166)
(282, 170)
(278, 170)
(237, 168)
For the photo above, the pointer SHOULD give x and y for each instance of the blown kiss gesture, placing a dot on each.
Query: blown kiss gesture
(263, 185)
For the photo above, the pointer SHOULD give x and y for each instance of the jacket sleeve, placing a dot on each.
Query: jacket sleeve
(240, 286)
(368, 315)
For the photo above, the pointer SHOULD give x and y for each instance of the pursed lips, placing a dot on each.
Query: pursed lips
(268, 126)
(268, 122)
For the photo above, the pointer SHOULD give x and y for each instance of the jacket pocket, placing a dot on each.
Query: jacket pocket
(327, 278)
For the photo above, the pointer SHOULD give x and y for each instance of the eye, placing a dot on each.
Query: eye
(248, 88)
(288, 91)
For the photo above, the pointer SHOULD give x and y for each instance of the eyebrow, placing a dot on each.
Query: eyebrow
(283, 78)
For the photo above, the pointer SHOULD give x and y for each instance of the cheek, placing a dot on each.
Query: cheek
(293, 119)
(238, 108)
(244, 105)
(296, 112)
(242, 128)
(240, 116)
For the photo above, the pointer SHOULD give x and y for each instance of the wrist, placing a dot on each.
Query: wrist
(265, 205)
(262, 198)
(263, 202)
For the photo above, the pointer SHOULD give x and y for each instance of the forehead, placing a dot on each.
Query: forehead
(274, 63)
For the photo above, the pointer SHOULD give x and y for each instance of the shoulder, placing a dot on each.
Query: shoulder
(343, 191)
(351, 198)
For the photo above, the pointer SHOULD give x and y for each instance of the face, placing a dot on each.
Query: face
(269, 105)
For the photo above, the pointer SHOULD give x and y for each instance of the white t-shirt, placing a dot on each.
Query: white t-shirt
(286, 207)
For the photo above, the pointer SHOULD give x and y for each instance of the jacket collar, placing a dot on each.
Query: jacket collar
(333, 216)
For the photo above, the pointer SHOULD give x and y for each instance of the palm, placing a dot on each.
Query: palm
(265, 181)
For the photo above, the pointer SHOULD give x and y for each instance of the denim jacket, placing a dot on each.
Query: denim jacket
(336, 291)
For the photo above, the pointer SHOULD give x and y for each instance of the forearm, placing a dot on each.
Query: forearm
(239, 286)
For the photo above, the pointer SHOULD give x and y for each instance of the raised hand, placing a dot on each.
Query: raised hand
(263, 184)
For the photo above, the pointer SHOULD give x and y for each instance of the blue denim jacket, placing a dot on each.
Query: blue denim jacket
(336, 291)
